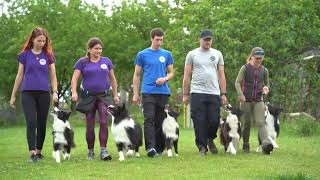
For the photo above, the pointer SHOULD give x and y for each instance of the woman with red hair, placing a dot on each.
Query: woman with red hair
(36, 61)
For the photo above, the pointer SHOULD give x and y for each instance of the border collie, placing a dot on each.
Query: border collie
(230, 131)
(170, 130)
(126, 132)
(62, 134)
(272, 114)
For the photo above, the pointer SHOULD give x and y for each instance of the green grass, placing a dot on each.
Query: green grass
(297, 158)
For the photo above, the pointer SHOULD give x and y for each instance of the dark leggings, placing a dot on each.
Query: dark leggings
(103, 117)
(35, 106)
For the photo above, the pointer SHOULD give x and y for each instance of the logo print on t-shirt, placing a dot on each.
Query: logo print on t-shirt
(42, 61)
(162, 59)
(212, 58)
(104, 66)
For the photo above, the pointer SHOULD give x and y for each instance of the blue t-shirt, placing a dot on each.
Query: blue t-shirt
(154, 65)
(36, 70)
(95, 75)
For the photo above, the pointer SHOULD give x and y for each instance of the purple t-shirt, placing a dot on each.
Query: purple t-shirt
(36, 68)
(95, 75)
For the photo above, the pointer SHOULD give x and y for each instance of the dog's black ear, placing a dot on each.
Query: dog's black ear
(68, 114)
(239, 113)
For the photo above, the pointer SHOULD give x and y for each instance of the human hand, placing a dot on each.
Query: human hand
(242, 98)
(116, 99)
(12, 102)
(265, 90)
(74, 97)
(161, 80)
(136, 99)
(224, 99)
(55, 97)
(185, 98)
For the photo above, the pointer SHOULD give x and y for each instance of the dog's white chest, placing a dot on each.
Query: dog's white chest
(58, 131)
(232, 120)
(119, 130)
(270, 125)
(169, 127)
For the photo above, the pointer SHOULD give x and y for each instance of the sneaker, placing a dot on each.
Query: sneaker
(104, 155)
(202, 151)
(151, 152)
(91, 155)
(246, 147)
(33, 158)
(267, 148)
(212, 147)
(39, 156)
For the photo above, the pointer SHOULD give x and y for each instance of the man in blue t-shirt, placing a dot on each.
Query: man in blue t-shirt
(157, 67)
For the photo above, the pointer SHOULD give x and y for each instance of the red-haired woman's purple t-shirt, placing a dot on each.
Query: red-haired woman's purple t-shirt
(36, 70)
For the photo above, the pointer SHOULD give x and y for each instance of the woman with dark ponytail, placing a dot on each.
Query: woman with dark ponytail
(36, 61)
(97, 78)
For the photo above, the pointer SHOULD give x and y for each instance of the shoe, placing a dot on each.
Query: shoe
(91, 155)
(246, 147)
(151, 152)
(33, 158)
(212, 147)
(202, 151)
(39, 156)
(267, 148)
(104, 155)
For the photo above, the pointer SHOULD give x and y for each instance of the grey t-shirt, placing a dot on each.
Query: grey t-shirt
(205, 70)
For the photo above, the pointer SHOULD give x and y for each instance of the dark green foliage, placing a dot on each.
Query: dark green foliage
(287, 30)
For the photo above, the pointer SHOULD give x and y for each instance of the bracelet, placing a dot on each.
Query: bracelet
(223, 94)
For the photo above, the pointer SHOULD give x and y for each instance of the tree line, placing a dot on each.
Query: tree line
(289, 31)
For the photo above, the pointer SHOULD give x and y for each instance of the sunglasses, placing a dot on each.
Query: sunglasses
(259, 53)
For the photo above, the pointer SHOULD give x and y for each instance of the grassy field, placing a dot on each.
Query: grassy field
(297, 158)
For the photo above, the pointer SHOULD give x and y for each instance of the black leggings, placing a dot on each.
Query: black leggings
(35, 106)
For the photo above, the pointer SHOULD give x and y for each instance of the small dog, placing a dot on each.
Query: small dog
(273, 125)
(230, 131)
(170, 130)
(126, 132)
(62, 134)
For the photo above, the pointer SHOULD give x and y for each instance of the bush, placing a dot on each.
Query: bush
(307, 127)
(302, 126)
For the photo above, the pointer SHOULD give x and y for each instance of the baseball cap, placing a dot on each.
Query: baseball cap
(257, 51)
(205, 34)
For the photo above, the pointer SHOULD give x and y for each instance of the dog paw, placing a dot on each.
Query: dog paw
(137, 154)
(66, 156)
(130, 152)
(176, 155)
(169, 153)
(259, 149)
(121, 158)
(233, 152)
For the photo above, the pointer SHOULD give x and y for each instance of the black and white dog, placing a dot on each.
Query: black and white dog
(272, 114)
(62, 134)
(170, 131)
(127, 133)
(230, 131)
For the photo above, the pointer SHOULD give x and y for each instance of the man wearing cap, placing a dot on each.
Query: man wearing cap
(207, 91)
(251, 84)
(156, 65)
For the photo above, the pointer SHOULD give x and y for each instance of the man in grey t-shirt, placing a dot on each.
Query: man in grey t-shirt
(207, 91)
